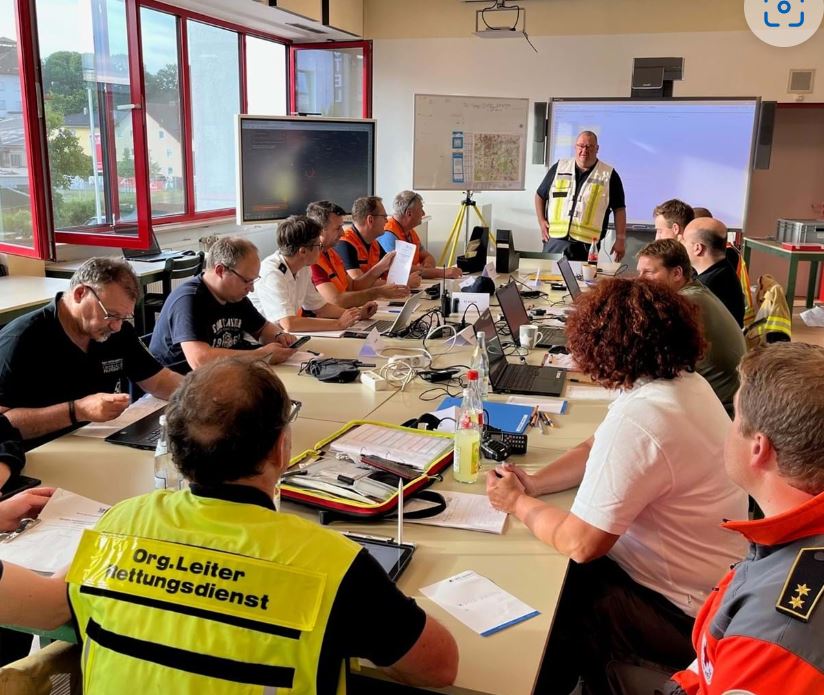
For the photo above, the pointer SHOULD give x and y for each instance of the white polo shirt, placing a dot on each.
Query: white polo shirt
(279, 293)
(655, 477)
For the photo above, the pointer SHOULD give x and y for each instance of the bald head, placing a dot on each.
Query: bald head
(705, 239)
(225, 419)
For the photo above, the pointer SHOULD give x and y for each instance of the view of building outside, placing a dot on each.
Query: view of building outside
(329, 82)
(15, 209)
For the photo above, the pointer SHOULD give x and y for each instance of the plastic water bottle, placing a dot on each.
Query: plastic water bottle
(166, 474)
(480, 363)
(466, 457)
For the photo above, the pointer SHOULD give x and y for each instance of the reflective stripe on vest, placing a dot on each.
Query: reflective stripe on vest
(366, 257)
(393, 226)
(746, 289)
(585, 221)
(234, 600)
(334, 268)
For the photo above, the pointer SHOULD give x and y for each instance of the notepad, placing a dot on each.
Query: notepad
(582, 392)
(479, 603)
(416, 450)
(463, 510)
(555, 406)
(137, 410)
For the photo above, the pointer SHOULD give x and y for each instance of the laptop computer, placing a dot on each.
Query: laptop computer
(568, 275)
(516, 316)
(141, 434)
(389, 326)
(153, 253)
(516, 378)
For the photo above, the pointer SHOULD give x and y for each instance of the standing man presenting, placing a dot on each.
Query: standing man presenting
(574, 200)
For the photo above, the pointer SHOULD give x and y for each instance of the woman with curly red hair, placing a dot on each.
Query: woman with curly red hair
(643, 532)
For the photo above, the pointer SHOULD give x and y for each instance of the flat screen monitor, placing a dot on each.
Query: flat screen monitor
(698, 150)
(286, 162)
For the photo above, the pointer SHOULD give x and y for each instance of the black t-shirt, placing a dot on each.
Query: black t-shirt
(723, 282)
(11, 448)
(349, 254)
(191, 313)
(41, 366)
(370, 617)
(616, 190)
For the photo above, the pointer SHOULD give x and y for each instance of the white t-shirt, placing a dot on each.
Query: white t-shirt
(655, 476)
(278, 293)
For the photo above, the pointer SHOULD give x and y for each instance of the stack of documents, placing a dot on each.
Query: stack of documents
(50, 544)
(416, 450)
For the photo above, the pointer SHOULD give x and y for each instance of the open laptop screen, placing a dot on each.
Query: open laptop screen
(513, 309)
(153, 249)
(497, 361)
(569, 277)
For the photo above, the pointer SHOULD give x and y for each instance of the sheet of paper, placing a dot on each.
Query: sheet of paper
(584, 392)
(372, 345)
(301, 356)
(402, 263)
(140, 408)
(51, 544)
(813, 317)
(466, 300)
(478, 603)
(489, 271)
(553, 359)
(463, 510)
(319, 334)
(556, 406)
(466, 336)
(448, 416)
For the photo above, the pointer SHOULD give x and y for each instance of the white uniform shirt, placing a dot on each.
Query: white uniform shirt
(279, 293)
(655, 476)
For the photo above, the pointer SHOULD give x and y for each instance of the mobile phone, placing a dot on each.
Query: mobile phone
(300, 341)
(17, 483)
(396, 303)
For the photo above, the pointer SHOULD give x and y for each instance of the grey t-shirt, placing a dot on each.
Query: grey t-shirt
(726, 345)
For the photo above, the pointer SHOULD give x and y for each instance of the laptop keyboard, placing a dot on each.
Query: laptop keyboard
(153, 435)
(364, 326)
(521, 378)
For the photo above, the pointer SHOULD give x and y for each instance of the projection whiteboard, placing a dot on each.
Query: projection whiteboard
(469, 143)
(698, 150)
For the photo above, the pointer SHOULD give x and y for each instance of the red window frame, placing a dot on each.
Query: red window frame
(366, 46)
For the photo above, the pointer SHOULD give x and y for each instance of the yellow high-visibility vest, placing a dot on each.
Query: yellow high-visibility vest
(177, 593)
(584, 222)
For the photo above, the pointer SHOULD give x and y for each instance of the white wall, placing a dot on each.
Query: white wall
(717, 64)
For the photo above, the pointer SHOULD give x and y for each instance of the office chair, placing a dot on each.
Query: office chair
(176, 269)
(52, 670)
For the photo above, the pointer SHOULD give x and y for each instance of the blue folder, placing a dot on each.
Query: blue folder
(509, 417)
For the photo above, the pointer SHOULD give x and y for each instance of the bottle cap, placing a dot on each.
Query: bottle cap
(472, 375)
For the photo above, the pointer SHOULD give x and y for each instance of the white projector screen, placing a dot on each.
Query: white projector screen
(698, 150)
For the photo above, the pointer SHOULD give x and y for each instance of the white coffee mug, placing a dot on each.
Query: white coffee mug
(529, 335)
(588, 272)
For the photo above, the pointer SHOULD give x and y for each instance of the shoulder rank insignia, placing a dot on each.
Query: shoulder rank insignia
(804, 585)
(283, 267)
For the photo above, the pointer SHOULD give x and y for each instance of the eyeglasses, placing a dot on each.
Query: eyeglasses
(585, 147)
(311, 246)
(108, 315)
(248, 281)
(380, 214)
(294, 409)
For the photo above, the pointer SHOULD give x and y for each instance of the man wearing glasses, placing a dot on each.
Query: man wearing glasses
(358, 248)
(71, 361)
(574, 200)
(210, 589)
(210, 315)
(285, 295)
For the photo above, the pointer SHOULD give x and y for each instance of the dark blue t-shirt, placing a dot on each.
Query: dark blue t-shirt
(192, 313)
(41, 366)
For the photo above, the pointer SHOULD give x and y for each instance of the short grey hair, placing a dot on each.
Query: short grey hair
(403, 201)
(99, 272)
(589, 133)
(228, 251)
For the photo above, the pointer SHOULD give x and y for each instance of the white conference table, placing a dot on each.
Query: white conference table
(20, 294)
(506, 662)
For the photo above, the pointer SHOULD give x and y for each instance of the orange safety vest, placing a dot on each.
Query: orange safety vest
(334, 268)
(392, 225)
(743, 275)
(366, 257)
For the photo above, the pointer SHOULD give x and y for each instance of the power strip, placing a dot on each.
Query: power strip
(374, 381)
(415, 361)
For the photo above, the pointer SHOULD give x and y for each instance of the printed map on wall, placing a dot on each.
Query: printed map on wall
(469, 143)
